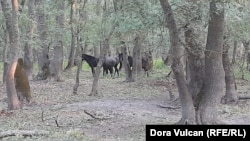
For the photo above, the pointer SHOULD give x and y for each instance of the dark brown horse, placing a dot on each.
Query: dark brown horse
(109, 63)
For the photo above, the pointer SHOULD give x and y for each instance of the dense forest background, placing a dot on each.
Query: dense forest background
(195, 54)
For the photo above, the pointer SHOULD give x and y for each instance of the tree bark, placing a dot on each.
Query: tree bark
(230, 96)
(188, 111)
(73, 35)
(234, 52)
(137, 61)
(28, 51)
(5, 51)
(214, 73)
(57, 58)
(43, 53)
(195, 65)
(13, 101)
(127, 69)
(246, 45)
(94, 90)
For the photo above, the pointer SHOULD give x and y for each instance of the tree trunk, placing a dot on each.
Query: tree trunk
(127, 69)
(246, 45)
(188, 111)
(43, 53)
(231, 96)
(57, 59)
(79, 68)
(13, 101)
(5, 50)
(73, 36)
(28, 52)
(104, 51)
(234, 52)
(195, 65)
(137, 61)
(214, 74)
(7, 14)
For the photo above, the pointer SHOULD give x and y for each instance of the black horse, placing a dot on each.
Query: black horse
(92, 62)
(130, 60)
(147, 61)
(109, 63)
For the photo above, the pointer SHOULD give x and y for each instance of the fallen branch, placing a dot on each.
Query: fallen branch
(23, 133)
(93, 116)
(168, 107)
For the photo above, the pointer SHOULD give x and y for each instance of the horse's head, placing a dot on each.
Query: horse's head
(83, 57)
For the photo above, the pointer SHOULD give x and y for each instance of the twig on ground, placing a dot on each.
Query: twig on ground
(93, 116)
(168, 106)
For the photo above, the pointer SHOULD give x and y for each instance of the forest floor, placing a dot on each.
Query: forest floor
(119, 112)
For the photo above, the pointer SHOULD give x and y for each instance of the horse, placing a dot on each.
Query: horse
(130, 60)
(92, 62)
(147, 61)
(108, 64)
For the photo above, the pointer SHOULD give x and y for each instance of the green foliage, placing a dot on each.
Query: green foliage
(158, 64)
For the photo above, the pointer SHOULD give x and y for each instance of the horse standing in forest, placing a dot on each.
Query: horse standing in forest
(147, 61)
(109, 63)
(92, 62)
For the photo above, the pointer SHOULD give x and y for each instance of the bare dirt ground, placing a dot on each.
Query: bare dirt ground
(120, 112)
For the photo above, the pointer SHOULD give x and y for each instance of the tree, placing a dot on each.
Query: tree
(210, 93)
(188, 111)
(73, 35)
(107, 32)
(13, 101)
(230, 96)
(214, 72)
(43, 52)
(56, 63)
(28, 50)
(137, 59)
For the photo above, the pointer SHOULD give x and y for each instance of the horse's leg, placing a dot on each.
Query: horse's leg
(93, 71)
(111, 71)
(117, 71)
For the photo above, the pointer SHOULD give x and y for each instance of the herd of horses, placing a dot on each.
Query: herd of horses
(112, 62)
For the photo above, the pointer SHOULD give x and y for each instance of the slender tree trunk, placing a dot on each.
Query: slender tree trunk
(188, 111)
(137, 61)
(214, 73)
(104, 51)
(79, 68)
(195, 65)
(234, 52)
(5, 50)
(127, 69)
(231, 96)
(13, 101)
(57, 59)
(28, 51)
(73, 36)
(246, 45)
(7, 14)
(43, 53)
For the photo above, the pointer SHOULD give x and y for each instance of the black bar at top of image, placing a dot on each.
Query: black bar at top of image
(197, 132)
